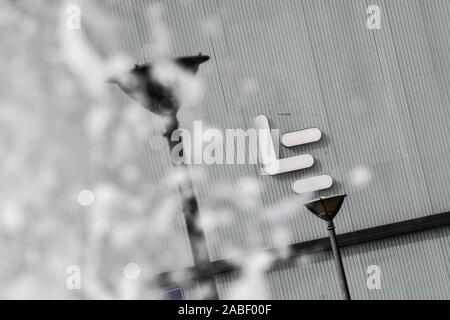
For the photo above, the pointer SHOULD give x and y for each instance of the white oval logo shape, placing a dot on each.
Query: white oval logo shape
(312, 184)
(298, 138)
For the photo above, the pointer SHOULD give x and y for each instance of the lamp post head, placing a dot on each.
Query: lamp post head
(326, 208)
(191, 63)
(153, 84)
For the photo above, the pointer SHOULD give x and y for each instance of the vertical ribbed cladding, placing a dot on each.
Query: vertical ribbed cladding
(413, 266)
(404, 262)
(349, 75)
(299, 279)
(423, 63)
(391, 50)
(259, 50)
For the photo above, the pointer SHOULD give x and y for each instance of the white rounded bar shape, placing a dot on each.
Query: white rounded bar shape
(266, 149)
(312, 184)
(295, 163)
(298, 138)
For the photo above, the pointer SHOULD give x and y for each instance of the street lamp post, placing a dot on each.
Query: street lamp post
(326, 208)
(159, 98)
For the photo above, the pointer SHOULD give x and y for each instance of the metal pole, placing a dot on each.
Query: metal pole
(345, 293)
(196, 236)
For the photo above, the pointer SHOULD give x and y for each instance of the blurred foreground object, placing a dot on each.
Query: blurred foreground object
(156, 86)
(159, 86)
(326, 208)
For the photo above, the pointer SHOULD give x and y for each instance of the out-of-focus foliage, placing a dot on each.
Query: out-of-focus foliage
(61, 133)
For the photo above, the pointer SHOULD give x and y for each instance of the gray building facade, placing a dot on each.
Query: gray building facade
(380, 98)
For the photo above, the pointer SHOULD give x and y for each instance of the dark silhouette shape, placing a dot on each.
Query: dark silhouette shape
(141, 84)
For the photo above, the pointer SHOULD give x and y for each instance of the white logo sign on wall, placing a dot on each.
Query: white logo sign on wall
(271, 165)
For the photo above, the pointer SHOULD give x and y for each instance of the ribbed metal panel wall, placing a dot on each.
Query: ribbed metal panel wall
(380, 98)
(412, 267)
